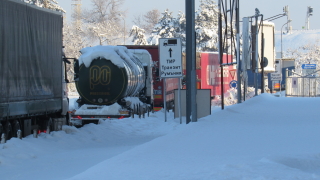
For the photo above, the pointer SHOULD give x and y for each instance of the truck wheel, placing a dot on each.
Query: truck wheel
(15, 128)
(8, 130)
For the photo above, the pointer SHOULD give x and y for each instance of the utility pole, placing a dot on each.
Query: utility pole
(76, 7)
(191, 110)
(286, 12)
(309, 13)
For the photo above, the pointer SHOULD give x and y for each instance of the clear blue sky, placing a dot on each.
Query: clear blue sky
(268, 8)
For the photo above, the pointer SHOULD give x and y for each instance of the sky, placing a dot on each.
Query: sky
(297, 9)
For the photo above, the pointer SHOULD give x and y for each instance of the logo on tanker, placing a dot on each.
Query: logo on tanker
(99, 75)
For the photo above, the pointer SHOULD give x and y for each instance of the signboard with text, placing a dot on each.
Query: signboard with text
(276, 76)
(309, 66)
(170, 53)
(308, 69)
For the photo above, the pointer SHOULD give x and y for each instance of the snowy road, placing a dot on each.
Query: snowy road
(64, 154)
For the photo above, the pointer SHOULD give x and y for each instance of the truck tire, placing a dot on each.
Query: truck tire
(15, 128)
(8, 130)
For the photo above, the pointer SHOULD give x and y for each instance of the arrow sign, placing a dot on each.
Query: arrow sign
(170, 50)
(170, 57)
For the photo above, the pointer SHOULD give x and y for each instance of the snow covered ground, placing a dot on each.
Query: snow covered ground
(266, 137)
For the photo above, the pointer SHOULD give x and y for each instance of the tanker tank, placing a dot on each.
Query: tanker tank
(107, 74)
(111, 82)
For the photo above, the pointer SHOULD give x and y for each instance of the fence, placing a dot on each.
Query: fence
(303, 86)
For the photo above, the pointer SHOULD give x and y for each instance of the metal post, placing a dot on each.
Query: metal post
(262, 61)
(179, 100)
(281, 37)
(165, 99)
(256, 55)
(220, 52)
(191, 110)
(238, 53)
(303, 86)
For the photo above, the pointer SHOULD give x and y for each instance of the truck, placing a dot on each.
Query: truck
(208, 72)
(33, 97)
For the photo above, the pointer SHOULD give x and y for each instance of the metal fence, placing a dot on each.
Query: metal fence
(303, 86)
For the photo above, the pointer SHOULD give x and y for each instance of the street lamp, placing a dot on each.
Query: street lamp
(281, 36)
(309, 13)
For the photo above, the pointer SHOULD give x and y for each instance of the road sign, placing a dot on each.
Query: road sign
(309, 66)
(277, 67)
(233, 84)
(170, 53)
(275, 76)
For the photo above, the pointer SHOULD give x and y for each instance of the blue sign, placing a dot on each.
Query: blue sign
(233, 84)
(309, 66)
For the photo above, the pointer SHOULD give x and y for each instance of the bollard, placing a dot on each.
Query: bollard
(3, 138)
(19, 134)
(35, 134)
(48, 130)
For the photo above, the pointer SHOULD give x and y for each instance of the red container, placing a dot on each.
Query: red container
(209, 72)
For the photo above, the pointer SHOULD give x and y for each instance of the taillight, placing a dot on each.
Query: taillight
(42, 131)
(78, 117)
(121, 117)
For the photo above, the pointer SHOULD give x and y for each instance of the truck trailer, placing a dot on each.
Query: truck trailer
(32, 84)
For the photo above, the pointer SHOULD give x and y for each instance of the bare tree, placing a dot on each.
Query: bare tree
(148, 20)
(103, 21)
(151, 18)
(138, 21)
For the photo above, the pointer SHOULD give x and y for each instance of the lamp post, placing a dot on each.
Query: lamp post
(281, 36)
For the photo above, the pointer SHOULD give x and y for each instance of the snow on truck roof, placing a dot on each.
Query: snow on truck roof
(116, 54)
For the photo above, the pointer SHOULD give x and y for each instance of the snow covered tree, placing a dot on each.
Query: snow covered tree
(49, 4)
(181, 29)
(306, 54)
(102, 22)
(138, 34)
(206, 26)
(165, 28)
